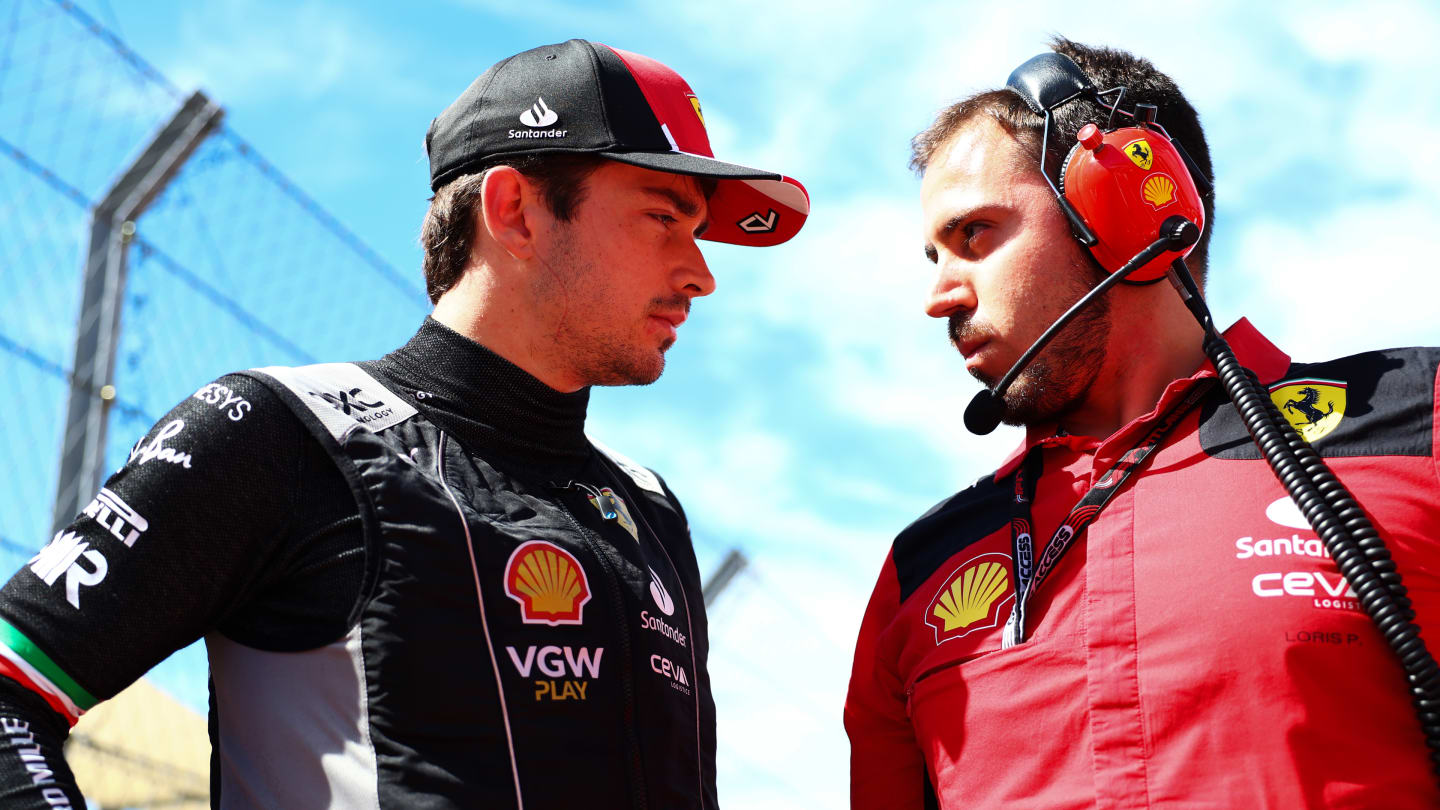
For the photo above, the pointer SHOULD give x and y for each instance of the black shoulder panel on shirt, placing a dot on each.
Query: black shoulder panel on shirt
(951, 525)
(1388, 407)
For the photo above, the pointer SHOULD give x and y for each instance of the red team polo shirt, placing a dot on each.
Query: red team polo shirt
(1195, 648)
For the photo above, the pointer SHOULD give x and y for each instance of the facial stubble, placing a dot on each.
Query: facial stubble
(587, 336)
(1057, 381)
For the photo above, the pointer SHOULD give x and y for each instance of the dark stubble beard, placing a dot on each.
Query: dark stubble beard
(585, 341)
(1055, 382)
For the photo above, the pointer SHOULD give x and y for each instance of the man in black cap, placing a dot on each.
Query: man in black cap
(420, 583)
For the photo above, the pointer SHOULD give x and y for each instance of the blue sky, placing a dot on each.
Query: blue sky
(810, 409)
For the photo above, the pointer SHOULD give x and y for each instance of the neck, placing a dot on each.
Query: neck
(496, 315)
(1154, 340)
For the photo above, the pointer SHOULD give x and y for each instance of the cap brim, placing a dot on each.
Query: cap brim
(749, 207)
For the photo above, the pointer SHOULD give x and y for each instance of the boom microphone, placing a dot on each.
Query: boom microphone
(987, 409)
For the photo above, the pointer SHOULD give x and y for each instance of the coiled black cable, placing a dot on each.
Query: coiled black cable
(1336, 517)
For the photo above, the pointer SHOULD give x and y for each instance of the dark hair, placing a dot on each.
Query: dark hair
(1106, 68)
(448, 233)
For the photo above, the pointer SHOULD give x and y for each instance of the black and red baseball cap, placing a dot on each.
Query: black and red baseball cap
(584, 97)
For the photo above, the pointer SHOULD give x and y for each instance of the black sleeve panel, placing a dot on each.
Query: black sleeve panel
(187, 535)
(33, 772)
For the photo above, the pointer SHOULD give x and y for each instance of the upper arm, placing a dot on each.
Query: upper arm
(174, 541)
(886, 765)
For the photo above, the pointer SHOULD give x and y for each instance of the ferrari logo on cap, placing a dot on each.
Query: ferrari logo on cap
(1313, 406)
(548, 582)
(695, 102)
(1139, 152)
(971, 598)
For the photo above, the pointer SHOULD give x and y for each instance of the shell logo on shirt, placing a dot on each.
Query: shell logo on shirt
(548, 582)
(972, 598)
(1314, 406)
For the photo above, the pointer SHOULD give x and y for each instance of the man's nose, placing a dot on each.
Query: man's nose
(693, 276)
(951, 293)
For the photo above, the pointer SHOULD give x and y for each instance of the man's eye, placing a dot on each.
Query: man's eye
(665, 219)
(974, 229)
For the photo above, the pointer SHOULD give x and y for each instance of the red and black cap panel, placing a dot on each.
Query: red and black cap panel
(750, 206)
(585, 97)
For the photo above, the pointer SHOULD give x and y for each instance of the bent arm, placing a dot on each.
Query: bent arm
(178, 539)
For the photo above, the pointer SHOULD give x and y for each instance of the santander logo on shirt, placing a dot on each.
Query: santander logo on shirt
(1296, 563)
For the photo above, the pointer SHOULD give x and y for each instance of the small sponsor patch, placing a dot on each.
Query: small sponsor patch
(755, 223)
(114, 514)
(612, 507)
(1139, 151)
(660, 595)
(972, 597)
(1313, 406)
(344, 396)
(548, 583)
(156, 450)
(567, 671)
(232, 404)
(1158, 190)
(539, 114)
(69, 555)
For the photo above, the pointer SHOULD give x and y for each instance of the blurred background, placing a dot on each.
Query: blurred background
(809, 411)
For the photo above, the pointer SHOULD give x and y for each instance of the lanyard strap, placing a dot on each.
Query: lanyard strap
(1030, 572)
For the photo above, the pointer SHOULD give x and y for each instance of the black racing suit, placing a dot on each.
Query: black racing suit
(420, 585)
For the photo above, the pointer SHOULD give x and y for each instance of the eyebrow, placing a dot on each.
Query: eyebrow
(685, 204)
(954, 221)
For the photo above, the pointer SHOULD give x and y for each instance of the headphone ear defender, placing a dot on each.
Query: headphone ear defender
(1125, 184)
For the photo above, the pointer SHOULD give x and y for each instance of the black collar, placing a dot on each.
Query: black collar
(488, 403)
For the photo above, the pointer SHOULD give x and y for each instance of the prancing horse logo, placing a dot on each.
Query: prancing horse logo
(1300, 401)
(1306, 405)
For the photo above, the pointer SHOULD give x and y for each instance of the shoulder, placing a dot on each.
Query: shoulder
(1376, 403)
(336, 396)
(950, 526)
(643, 476)
(232, 415)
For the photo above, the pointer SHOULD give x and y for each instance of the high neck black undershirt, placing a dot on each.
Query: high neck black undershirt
(489, 404)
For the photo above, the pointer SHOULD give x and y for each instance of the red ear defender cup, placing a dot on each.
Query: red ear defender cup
(1125, 183)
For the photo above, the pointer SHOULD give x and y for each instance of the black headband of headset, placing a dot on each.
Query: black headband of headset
(1048, 81)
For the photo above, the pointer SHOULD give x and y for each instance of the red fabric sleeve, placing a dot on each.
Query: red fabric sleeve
(887, 769)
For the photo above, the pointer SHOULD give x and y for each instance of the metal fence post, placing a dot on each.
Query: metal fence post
(82, 453)
(734, 562)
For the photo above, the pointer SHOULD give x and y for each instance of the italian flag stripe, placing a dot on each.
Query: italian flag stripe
(1309, 381)
(10, 670)
(43, 674)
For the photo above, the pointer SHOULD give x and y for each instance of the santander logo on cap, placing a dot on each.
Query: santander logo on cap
(539, 115)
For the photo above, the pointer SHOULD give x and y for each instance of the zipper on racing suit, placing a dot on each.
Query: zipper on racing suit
(611, 512)
(612, 578)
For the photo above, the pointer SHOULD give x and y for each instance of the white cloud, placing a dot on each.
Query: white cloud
(1357, 279)
(310, 49)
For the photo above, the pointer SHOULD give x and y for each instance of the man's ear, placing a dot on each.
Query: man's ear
(507, 210)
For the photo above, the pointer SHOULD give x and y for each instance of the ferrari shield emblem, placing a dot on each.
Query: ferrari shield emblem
(1139, 151)
(695, 102)
(1313, 406)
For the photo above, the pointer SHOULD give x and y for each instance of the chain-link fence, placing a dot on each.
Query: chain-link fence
(232, 267)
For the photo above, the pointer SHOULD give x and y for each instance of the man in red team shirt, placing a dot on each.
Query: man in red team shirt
(1195, 646)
